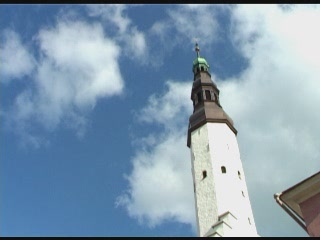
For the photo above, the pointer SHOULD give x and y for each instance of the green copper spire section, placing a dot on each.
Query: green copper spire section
(199, 64)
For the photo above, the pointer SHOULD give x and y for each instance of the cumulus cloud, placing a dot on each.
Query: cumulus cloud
(133, 40)
(78, 65)
(186, 23)
(114, 13)
(280, 86)
(159, 185)
(162, 168)
(274, 101)
(170, 107)
(196, 21)
(85, 58)
(16, 60)
(274, 104)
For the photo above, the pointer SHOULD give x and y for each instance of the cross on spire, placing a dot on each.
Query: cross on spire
(197, 49)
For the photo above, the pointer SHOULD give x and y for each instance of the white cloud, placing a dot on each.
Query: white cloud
(137, 43)
(159, 185)
(274, 101)
(133, 40)
(194, 21)
(169, 108)
(276, 95)
(187, 23)
(113, 13)
(78, 65)
(86, 60)
(15, 59)
(274, 104)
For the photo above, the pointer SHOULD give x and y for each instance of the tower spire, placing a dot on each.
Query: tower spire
(221, 197)
(197, 49)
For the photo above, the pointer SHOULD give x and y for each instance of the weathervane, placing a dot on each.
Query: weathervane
(197, 49)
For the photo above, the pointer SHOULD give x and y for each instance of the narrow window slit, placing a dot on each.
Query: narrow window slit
(204, 174)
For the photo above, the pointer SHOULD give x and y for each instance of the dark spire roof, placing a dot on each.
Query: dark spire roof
(205, 97)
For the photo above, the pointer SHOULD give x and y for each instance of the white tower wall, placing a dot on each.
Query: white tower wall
(221, 198)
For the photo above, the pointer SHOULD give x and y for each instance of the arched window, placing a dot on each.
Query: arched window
(204, 174)
(208, 95)
(249, 221)
(202, 68)
(239, 175)
(195, 99)
(242, 193)
(223, 169)
(199, 96)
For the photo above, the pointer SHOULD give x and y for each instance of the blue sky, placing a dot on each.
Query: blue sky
(95, 101)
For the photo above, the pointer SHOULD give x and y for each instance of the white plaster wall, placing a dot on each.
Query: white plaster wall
(205, 199)
(214, 145)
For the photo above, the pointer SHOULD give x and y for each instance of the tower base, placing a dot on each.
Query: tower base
(224, 227)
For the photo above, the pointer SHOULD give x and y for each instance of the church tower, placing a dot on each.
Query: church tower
(221, 197)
